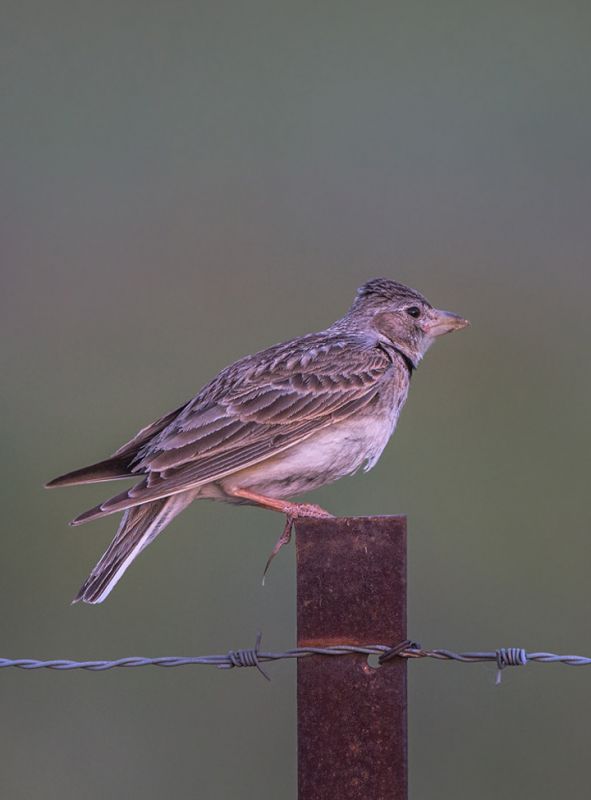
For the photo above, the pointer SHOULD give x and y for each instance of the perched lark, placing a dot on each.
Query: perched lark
(273, 425)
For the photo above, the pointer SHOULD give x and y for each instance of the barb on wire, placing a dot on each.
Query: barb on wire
(254, 657)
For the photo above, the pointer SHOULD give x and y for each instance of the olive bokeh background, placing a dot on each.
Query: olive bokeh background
(184, 183)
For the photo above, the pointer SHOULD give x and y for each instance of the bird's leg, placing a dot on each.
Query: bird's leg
(291, 510)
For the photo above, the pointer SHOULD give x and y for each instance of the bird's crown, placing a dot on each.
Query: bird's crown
(385, 289)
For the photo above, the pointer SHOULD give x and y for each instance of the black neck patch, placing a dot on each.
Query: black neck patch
(390, 348)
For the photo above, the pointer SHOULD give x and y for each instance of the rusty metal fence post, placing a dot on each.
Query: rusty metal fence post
(352, 727)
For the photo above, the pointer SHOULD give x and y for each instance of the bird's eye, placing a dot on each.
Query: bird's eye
(414, 311)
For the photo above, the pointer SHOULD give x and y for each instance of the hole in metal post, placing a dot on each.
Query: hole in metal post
(373, 661)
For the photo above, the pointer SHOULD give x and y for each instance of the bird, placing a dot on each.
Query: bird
(271, 426)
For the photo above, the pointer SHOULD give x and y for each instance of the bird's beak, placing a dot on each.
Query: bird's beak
(439, 322)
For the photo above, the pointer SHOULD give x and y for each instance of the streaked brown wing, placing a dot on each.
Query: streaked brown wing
(255, 409)
(148, 433)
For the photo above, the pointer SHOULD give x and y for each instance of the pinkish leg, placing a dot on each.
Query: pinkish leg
(292, 512)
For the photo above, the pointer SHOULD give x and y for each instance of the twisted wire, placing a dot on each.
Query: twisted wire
(254, 657)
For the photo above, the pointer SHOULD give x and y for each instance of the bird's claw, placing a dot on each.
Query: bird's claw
(297, 511)
(285, 538)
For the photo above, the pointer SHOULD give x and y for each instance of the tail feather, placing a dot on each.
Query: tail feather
(108, 470)
(96, 512)
(139, 526)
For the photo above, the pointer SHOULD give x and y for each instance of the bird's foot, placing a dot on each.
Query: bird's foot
(285, 538)
(294, 511)
(302, 510)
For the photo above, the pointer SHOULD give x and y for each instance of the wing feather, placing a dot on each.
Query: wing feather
(255, 409)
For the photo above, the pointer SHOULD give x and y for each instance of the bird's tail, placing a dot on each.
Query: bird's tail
(139, 526)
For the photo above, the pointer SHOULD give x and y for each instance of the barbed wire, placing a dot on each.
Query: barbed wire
(255, 657)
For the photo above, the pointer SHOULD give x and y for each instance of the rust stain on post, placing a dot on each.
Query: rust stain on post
(352, 728)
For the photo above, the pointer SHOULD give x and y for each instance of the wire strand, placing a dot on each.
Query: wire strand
(254, 657)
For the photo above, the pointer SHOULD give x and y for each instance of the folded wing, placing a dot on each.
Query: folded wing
(253, 410)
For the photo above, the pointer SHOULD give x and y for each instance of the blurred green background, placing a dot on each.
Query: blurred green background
(184, 183)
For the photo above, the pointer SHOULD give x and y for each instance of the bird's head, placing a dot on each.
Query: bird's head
(402, 317)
